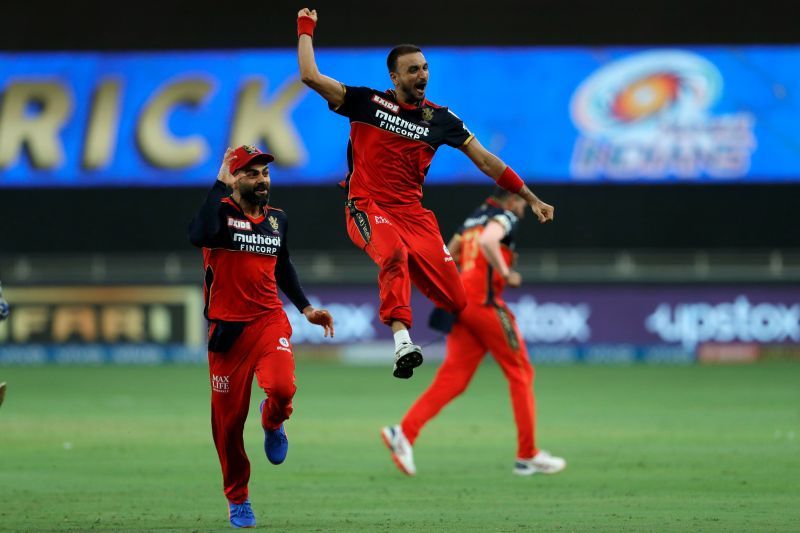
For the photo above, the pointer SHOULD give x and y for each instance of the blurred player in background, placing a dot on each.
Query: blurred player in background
(246, 258)
(4, 308)
(394, 135)
(4, 312)
(484, 249)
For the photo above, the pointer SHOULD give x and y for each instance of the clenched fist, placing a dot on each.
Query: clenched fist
(310, 13)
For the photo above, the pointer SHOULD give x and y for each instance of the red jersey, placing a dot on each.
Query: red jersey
(245, 259)
(482, 283)
(392, 144)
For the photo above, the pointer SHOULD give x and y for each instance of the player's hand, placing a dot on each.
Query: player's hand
(224, 175)
(513, 279)
(320, 317)
(310, 13)
(544, 212)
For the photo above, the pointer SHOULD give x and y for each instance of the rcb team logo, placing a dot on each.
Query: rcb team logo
(250, 149)
(273, 222)
(427, 113)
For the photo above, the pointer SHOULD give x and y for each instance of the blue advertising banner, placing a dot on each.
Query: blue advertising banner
(563, 115)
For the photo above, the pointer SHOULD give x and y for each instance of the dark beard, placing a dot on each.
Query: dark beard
(251, 197)
(410, 93)
(412, 99)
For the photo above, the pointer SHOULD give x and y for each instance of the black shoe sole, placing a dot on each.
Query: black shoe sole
(404, 367)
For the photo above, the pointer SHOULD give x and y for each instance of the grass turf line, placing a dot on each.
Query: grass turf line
(648, 449)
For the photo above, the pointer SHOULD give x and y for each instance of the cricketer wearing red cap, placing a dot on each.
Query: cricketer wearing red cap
(394, 135)
(245, 260)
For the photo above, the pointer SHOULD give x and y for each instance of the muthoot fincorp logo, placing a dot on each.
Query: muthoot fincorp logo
(649, 115)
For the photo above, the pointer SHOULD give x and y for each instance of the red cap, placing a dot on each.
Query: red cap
(246, 155)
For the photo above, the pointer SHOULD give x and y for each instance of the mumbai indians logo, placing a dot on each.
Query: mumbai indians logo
(648, 115)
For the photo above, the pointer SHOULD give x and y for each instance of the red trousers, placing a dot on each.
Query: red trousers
(263, 349)
(478, 329)
(407, 246)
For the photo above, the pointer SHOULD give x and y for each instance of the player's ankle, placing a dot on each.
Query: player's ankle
(401, 337)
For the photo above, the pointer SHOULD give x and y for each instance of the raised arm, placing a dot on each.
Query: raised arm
(206, 225)
(495, 168)
(330, 89)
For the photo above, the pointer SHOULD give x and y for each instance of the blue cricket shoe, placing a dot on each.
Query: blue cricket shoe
(241, 514)
(276, 445)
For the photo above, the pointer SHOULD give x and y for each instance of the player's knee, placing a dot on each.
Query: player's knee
(456, 386)
(524, 376)
(398, 258)
(283, 394)
(457, 301)
(459, 388)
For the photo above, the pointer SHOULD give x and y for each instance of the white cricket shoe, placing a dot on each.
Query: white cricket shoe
(402, 452)
(543, 463)
(407, 357)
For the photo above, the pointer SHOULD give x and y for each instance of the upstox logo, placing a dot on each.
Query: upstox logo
(693, 323)
(552, 322)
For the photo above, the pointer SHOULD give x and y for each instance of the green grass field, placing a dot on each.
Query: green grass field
(649, 449)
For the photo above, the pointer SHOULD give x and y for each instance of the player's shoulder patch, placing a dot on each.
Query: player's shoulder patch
(511, 216)
(505, 218)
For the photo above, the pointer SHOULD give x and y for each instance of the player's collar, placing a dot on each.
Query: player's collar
(256, 219)
(492, 201)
